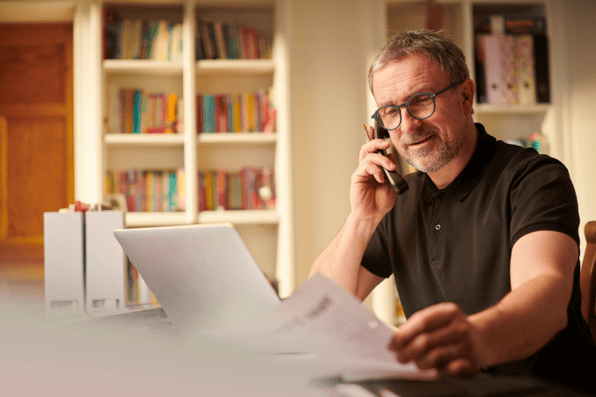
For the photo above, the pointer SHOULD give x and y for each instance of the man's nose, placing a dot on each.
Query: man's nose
(408, 122)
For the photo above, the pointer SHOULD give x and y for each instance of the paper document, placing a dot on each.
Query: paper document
(322, 319)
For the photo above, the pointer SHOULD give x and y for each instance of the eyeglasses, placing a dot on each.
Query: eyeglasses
(420, 106)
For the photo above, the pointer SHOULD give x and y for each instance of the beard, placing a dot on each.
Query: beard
(436, 154)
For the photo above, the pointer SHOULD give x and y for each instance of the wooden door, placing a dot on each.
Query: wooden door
(37, 152)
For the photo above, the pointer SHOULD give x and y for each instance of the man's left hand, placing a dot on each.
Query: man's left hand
(439, 337)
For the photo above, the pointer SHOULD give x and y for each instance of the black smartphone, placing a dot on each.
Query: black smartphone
(397, 182)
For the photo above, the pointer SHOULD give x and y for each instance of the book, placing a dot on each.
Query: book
(221, 189)
(179, 127)
(171, 113)
(511, 24)
(524, 68)
(201, 190)
(181, 188)
(542, 70)
(208, 113)
(113, 112)
(207, 39)
(222, 117)
(220, 40)
(495, 53)
(232, 37)
(236, 112)
(111, 31)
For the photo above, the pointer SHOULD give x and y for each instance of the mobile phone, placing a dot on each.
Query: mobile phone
(397, 182)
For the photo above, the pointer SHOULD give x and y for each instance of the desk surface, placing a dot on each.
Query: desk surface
(140, 354)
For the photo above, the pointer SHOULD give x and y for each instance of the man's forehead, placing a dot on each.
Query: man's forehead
(408, 75)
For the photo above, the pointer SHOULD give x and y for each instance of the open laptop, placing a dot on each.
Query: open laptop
(203, 276)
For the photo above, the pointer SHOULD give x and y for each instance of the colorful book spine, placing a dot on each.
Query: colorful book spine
(489, 48)
(524, 65)
(222, 117)
(181, 188)
(208, 113)
(171, 113)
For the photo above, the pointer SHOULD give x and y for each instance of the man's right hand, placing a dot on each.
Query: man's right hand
(371, 195)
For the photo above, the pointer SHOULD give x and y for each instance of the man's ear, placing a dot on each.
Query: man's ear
(468, 90)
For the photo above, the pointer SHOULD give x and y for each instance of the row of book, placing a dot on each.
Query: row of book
(512, 62)
(142, 39)
(235, 112)
(137, 291)
(248, 189)
(164, 190)
(162, 40)
(148, 190)
(136, 111)
(226, 40)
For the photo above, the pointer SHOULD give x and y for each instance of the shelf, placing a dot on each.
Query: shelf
(235, 66)
(237, 138)
(537, 108)
(142, 66)
(141, 219)
(144, 139)
(240, 217)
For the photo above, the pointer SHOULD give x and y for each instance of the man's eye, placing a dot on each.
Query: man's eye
(420, 100)
(389, 112)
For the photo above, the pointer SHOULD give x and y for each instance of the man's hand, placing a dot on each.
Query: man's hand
(439, 337)
(371, 194)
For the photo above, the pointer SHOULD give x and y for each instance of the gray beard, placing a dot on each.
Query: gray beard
(432, 159)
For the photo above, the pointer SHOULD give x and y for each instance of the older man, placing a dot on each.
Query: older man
(483, 245)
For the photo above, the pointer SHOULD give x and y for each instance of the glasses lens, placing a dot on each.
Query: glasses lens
(389, 117)
(421, 106)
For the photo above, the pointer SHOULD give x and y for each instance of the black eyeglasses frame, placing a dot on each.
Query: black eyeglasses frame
(432, 96)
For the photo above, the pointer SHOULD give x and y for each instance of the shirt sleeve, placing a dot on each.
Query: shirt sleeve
(542, 197)
(376, 259)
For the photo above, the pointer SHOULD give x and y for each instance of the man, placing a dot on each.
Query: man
(483, 245)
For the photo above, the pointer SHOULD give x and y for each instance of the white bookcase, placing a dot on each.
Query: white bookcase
(504, 122)
(268, 233)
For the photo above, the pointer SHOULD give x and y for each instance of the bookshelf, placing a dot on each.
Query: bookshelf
(268, 232)
(505, 122)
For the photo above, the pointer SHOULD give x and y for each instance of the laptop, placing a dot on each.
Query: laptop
(203, 276)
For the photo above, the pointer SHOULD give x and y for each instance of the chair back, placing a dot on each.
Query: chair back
(588, 278)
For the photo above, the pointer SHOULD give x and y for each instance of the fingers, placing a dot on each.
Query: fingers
(426, 320)
(435, 345)
(437, 337)
(370, 160)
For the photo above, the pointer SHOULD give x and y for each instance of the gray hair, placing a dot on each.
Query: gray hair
(437, 48)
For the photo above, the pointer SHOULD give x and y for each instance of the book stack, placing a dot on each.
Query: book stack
(136, 111)
(250, 188)
(148, 190)
(235, 112)
(226, 40)
(512, 61)
(141, 39)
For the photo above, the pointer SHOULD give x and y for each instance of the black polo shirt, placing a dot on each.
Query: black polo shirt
(454, 244)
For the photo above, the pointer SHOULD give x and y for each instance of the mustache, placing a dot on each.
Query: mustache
(417, 136)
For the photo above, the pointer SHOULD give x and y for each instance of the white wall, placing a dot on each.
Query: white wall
(580, 16)
(330, 46)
